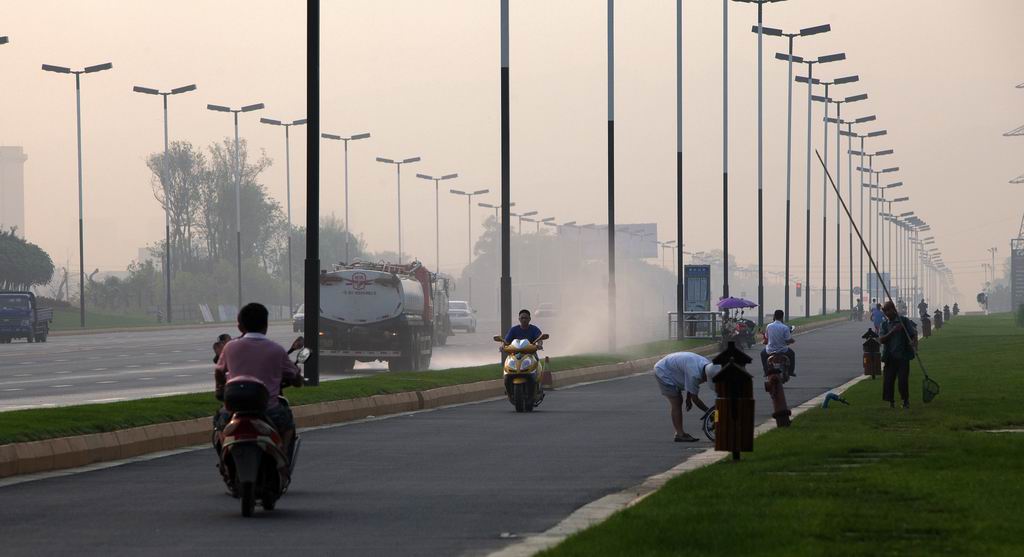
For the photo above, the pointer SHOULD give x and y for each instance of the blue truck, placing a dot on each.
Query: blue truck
(21, 317)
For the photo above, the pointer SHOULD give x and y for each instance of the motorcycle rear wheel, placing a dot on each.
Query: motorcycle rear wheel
(248, 499)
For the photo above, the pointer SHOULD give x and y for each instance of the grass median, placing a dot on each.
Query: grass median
(47, 423)
(862, 479)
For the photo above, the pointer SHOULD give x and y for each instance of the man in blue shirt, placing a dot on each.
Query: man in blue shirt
(523, 330)
(779, 337)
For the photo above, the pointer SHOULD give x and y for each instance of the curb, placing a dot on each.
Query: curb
(71, 452)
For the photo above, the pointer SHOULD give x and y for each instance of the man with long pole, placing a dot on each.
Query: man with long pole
(164, 179)
(78, 126)
(288, 194)
(348, 227)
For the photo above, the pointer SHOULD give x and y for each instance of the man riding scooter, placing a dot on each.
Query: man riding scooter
(255, 356)
(778, 337)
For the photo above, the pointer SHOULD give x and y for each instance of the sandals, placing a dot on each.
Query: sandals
(685, 438)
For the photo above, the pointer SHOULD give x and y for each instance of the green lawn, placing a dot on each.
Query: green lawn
(45, 423)
(861, 479)
(66, 319)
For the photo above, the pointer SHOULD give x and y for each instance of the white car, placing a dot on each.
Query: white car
(462, 316)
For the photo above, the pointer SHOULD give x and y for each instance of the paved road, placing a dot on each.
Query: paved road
(445, 482)
(105, 367)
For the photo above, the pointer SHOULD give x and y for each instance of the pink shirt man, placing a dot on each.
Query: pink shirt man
(254, 355)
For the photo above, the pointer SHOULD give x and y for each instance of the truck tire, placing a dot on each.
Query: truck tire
(30, 338)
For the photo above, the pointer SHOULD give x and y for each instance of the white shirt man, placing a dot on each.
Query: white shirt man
(679, 373)
(778, 338)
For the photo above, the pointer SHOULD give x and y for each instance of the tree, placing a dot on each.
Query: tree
(178, 182)
(22, 263)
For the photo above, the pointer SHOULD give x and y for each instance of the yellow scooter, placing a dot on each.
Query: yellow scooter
(522, 373)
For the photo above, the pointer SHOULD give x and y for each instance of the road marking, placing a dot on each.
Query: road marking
(12, 390)
(63, 372)
(145, 378)
(60, 360)
(133, 365)
(100, 369)
(185, 375)
(105, 382)
(25, 363)
(59, 386)
(163, 363)
(192, 361)
(23, 375)
(175, 351)
(103, 400)
(175, 393)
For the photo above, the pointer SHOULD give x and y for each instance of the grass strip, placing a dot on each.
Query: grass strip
(46, 423)
(860, 480)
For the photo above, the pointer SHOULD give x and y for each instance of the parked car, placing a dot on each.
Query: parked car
(462, 316)
(299, 319)
(545, 310)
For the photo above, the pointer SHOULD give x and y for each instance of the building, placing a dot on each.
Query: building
(12, 188)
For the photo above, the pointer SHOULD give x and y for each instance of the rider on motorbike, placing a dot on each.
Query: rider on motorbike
(255, 356)
(524, 330)
(778, 336)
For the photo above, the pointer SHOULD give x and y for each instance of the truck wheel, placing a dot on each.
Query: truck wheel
(30, 338)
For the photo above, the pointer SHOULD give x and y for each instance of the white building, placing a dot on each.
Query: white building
(12, 188)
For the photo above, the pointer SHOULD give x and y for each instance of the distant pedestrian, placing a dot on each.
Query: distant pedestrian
(898, 336)
(877, 316)
(679, 376)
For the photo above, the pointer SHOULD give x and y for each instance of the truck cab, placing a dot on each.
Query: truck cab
(20, 317)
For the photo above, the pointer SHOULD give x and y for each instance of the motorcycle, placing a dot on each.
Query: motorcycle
(738, 330)
(254, 460)
(522, 373)
(778, 374)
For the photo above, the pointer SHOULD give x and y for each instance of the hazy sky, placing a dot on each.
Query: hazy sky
(423, 78)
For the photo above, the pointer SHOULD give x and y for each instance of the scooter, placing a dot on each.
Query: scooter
(254, 461)
(522, 373)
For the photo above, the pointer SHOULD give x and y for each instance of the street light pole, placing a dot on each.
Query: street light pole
(238, 185)
(497, 251)
(164, 179)
(348, 228)
(437, 215)
(760, 155)
(288, 191)
(78, 126)
(811, 81)
(680, 287)
(469, 235)
(838, 121)
(790, 58)
(398, 167)
(611, 176)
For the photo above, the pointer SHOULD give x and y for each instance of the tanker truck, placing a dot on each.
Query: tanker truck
(377, 312)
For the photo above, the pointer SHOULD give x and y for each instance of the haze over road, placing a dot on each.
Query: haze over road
(104, 367)
(445, 482)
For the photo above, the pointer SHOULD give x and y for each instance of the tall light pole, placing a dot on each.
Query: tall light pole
(164, 179)
(680, 287)
(238, 185)
(992, 251)
(862, 169)
(810, 81)
(725, 148)
(849, 165)
(288, 191)
(825, 189)
(78, 124)
(398, 167)
(760, 154)
(437, 214)
(838, 121)
(611, 176)
(790, 58)
(348, 227)
(311, 268)
(469, 235)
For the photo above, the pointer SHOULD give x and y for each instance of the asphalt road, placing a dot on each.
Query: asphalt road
(452, 481)
(106, 367)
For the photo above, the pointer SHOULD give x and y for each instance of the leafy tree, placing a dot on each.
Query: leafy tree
(22, 263)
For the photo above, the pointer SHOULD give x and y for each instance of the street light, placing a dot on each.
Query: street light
(398, 166)
(810, 81)
(288, 191)
(78, 122)
(437, 214)
(790, 58)
(345, 140)
(760, 151)
(825, 189)
(469, 235)
(497, 243)
(862, 153)
(163, 180)
(238, 185)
